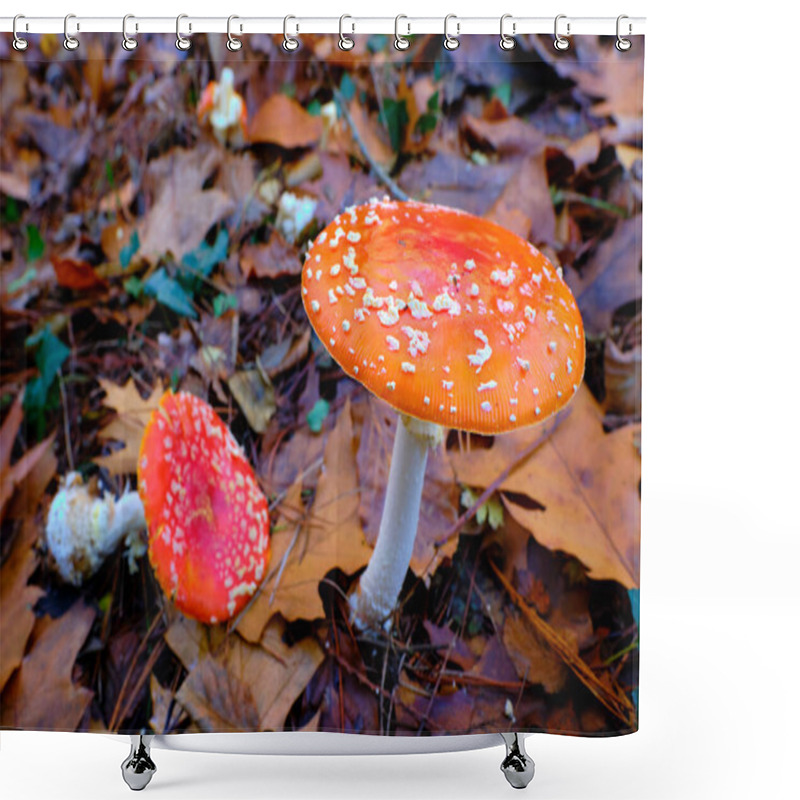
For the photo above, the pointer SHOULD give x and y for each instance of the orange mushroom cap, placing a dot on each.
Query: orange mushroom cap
(207, 518)
(448, 317)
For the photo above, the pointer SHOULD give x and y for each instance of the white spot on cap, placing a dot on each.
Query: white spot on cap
(569, 365)
(504, 306)
(391, 386)
(332, 297)
(488, 385)
(407, 367)
(530, 314)
(427, 400)
(553, 346)
(448, 385)
(336, 269)
(393, 344)
(486, 406)
(346, 325)
(483, 354)
(314, 305)
(353, 236)
(552, 376)
(503, 278)
(469, 265)
(524, 363)
(473, 290)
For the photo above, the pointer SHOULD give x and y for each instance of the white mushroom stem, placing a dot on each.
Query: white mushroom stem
(382, 581)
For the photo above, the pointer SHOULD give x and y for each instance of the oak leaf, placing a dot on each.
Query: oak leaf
(133, 414)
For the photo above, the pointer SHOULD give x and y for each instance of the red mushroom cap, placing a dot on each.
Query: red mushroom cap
(207, 518)
(448, 317)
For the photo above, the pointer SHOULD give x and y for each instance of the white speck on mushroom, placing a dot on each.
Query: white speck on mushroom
(448, 385)
(332, 297)
(503, 278)
(553, 346)
(469, 265)
(335, 269)
(536, 390)
(418, 308)
(444, 302)
(426, 400)
(569, 365)
(552, 376)
(504, 306)
(452, 409)
(512, 418)
(318, 274)
(391, 386)
(393, 344)
(346, 325)
(486, 406)
(483, 354)
(486, 386)
(551, 317)
(524, 363)
(537, 279)
(473, 290)
(538, 411)
(393, 286)
(418, 340)
(441, 408)
(408, 367)
(513, 401)
(353, 236)
(530, 314)
(350, 290)
(332, 341)
(309, 273)
(358, 283)
(314, 305)
(416, 289)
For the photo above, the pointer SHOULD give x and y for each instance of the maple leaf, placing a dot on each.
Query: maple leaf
(133, 414)
(586, 480)
(246, 687)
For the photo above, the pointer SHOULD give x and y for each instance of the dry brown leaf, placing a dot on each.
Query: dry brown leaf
(182, 210)
(133, 414)
(612, 276)
(524, 206)
(41, 694)
(622, 371)
(372, 136)
(17, 600)
(306, 547)
(246, 687)
(289, 351)
(283, 121)
(13, 476)
(587, 481)
(271, 260)
(534, 661)
(256, 397)
(376, 422)
(76, 274)
(510, 136)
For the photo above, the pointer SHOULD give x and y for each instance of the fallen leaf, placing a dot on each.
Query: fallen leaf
(622, 371)
(586, 480)
(133, 414)
(13, 476)
(283, 121)
(305, 547)
(246, 687)
(611, 277)
(182, 210)
(17, 599)
(41, 695)
(271, 260)
(255, 395)
(508, 137)
(534, 661)
(75, 274)
(285, 354)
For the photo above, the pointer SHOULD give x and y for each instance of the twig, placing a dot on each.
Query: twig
(379, 171)
(67, 435)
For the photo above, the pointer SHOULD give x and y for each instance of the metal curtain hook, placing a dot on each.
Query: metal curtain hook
(345, 42)
(507, 42)
(128, 42)
(19, 44)
(451, 42)
(289, 44)
(400, 42)
(181, 42)
(560, 43)
(70, 42)
(233, 44)
(623, 44)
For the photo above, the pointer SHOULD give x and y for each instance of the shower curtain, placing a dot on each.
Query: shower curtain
(159, 208)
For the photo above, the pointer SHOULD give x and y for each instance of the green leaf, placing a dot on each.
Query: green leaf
(433, 103)
(133, 286)
(26, 277)
(203, 259)
(426, 123)
(395, 117)
(314, 108)
(503, 93)
(347, 87)
(10, 210)
(170, 293)
(51, 353)
(377, 42)
(130, 250)
(35, 247)
(317, 415)
(223, 303)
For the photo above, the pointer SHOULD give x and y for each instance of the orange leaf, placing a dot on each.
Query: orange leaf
(75, 274)
(283, 121)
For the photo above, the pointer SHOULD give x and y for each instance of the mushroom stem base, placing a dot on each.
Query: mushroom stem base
(383, 579)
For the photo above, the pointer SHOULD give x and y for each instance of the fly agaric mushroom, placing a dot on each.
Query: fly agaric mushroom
(207, 518)
(455, 322)
(225, 110)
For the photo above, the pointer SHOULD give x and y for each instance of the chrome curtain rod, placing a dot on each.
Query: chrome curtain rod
(298, 25)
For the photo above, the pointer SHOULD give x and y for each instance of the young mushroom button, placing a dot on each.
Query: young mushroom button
(455, 322)
(207, 518)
